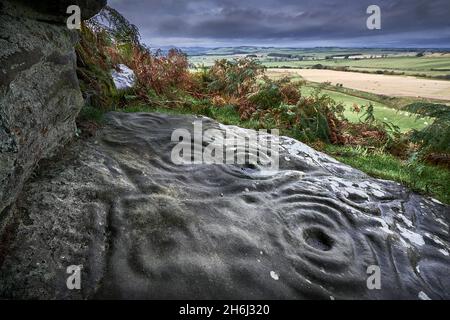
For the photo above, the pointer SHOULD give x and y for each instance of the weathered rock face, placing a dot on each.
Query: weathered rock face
(143, 227)
(39, 90)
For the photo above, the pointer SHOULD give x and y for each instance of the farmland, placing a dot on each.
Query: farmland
(364, 85)
(399, 62)
(404, 120)
(432, 66)
(379, 84)
(386, 78)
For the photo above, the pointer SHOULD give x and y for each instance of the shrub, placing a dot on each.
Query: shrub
(314, 118)
(160, 72)
(268, 96)
(109, 39)
(368, 115)
(105, 41)
(93, 68)
(435, 138)
(233, 77)
(291, 92)
(271, 93)
(370, 132)
(111, 22)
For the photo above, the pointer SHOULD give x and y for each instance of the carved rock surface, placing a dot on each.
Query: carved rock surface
(142, 227)
(39, 92)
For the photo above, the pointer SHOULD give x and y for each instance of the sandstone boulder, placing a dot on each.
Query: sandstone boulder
(143, 227)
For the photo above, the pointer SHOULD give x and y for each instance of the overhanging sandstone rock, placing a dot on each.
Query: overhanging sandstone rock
(39, 90)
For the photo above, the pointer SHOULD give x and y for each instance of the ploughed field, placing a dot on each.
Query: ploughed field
(397, 86)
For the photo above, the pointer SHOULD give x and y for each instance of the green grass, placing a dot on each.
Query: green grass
(405, 121)
(422, 178)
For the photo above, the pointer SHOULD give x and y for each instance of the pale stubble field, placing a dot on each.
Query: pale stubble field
(396, 86)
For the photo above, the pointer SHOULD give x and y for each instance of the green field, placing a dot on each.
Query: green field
(208, 60)
(405, 121)
(310, 53)
(208, 56)
(361, 60)
(429, 66)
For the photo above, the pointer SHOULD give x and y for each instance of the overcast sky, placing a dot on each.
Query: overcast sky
(404, 23)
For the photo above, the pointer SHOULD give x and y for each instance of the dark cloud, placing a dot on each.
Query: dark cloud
(288, 22)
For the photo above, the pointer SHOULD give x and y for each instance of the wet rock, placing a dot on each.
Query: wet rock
(143, 227)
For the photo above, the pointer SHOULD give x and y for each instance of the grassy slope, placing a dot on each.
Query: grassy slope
(382, 111)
